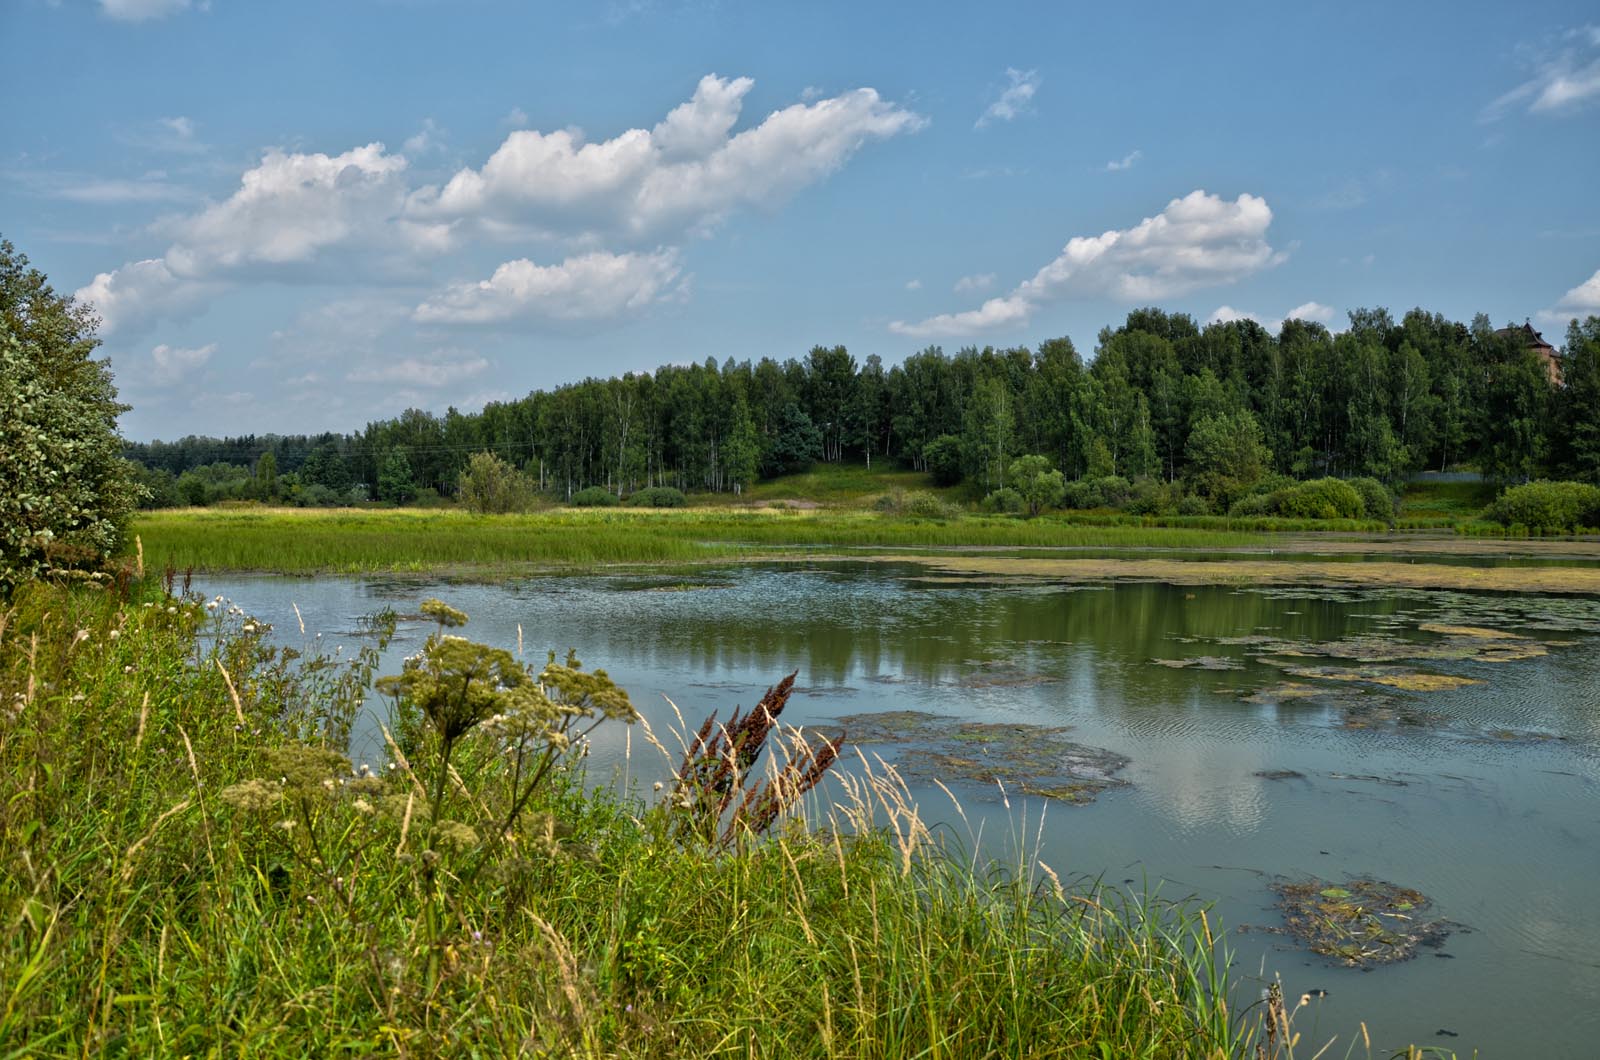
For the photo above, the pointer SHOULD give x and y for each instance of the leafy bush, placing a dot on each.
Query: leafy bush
(658, 497)
(65, 491)
(1323, 498)
(1193, 505)
(1376, 500)
(1110, 491)
(1039, 485)
(490, 486)
(1005, 501)
(594, 497)
(1254, 504)
(916, 504)
(210, 484)
(1153, 497)
(316, 496)
(1547, 507)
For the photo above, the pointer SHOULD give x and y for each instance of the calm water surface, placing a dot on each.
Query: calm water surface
(1491, 807)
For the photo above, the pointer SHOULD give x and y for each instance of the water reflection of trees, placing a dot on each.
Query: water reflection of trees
(841, 627)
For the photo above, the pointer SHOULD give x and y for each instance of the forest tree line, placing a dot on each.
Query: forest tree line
(1381, 399)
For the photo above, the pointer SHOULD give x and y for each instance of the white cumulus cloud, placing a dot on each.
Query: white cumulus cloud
(172, 363)
(979, 282)
(682, 176)
(128, 299)
(594, 286)
(1014, 100)
(288, 209)
(1310, 311)
(1582, 301)
(1198, 241)
(302, 215)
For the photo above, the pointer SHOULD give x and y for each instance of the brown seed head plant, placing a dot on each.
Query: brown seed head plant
(714, 792)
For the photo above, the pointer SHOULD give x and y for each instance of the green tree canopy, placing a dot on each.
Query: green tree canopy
(1228, 456)
(1040, 485)
(65, 491)
(396, 482)
(491, 486)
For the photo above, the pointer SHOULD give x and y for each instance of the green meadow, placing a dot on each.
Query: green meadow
(363, 540)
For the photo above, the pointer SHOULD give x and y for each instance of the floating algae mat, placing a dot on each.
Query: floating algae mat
(1033, 759)
(1361, 923)
(1201, 662)
(1407, 680)
(1374, 679)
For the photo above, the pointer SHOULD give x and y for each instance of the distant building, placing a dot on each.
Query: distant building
(1548, 355)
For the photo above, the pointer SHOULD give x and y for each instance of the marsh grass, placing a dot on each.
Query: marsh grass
(349, 541)
(190, 867)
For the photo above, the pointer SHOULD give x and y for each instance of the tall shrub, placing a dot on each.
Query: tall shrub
(65, 491)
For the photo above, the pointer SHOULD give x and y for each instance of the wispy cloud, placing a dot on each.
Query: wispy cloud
(143, 10)
(92, 190)
(979, 282)
(1127, 161)
(1565, 77)
(174, 135)
(1014, 100)
(428, 138)
(441, 368)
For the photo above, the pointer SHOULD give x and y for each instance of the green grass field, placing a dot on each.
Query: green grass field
(344, 540)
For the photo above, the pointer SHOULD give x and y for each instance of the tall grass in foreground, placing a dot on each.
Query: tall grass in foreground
(190, 867)
(303, 541)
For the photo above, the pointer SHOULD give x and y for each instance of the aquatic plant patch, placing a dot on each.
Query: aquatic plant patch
(1361, 923)
(988, 756)
(1201, 662)
(1405, 679)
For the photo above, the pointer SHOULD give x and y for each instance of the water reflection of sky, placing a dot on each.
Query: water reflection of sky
(1505, 834)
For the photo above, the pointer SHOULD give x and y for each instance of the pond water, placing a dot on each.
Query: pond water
(1482, 792)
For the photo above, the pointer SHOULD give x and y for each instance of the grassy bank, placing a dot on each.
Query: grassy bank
(305, 541)
(190, 867)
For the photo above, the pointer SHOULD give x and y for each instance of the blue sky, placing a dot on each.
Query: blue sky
(298, 217)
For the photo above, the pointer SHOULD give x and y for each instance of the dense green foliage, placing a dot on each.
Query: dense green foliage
(355, 541)
(65, 490)
(594, 497)
(1163, 398)
(491, 486)
(192, 867)
(1549, 507)
(1038, 484)
(658, 497)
